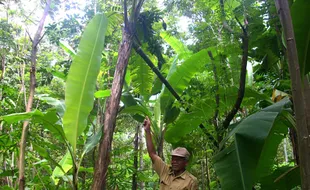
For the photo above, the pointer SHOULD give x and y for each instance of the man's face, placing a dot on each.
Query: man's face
(178, 163)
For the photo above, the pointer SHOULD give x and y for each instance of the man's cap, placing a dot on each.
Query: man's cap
(181, 152)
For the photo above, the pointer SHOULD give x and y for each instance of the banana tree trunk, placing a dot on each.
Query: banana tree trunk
(35, 42)
(297, 90)
(112, 106)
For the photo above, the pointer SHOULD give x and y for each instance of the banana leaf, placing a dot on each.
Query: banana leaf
(255, 141)
(81, 81)
(183, 73)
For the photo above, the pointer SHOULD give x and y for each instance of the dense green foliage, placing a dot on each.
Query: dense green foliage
(197, 46)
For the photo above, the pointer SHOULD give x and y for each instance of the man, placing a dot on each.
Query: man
(175, 176)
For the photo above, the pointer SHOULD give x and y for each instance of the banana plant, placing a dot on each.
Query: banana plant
(248, 151)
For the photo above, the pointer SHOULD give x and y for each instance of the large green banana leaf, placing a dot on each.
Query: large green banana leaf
(300, 15)
(179, 48)
(80, 85)
(255, 141)
(187, 122)
(142, 75)
(183, 73)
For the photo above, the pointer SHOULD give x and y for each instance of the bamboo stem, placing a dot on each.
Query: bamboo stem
(297, 90)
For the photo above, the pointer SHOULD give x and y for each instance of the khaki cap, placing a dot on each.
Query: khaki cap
(181, 152)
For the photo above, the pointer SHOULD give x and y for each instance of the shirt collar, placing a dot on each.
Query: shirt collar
(182, 175)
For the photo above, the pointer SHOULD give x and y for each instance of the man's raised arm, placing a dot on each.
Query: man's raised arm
(149, 142)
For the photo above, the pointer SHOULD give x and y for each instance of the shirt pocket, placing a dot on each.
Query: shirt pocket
(164, 182)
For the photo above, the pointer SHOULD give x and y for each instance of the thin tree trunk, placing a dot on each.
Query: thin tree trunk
(2, 74)
(202, 174)
(3, 67)
(241, 90)
(208, 172)
(35, 42)
(297, 90)
(135, 159)
(111, 112)
(141, 148)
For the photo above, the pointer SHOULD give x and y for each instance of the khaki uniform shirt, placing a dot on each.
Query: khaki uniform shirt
(168, 181)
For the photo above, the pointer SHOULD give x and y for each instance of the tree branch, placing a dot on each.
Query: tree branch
(125, 14)
(234, 110)
(223, 17)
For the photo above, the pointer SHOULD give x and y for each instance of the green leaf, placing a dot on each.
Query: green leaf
(47, 119)
(58, 104)
(16, 117)
(283, 178)
(137, 109)
(66, 165)
(102, 93)
(8, 173)
(81, 81)
(60, 75)
(176, 45)
(300, 13)
(67, 48)
(45, 154)
(142, 75)
(187, 122)
(269, 150)
(236, 165)
(92, 142)
(128, 101)
(180, 78)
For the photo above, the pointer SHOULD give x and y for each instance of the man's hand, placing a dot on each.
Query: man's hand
(147, 124)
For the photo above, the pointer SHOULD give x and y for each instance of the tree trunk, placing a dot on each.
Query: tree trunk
(297, 90)
(208, 172)
(35, 42)
(135, 159)
(103, 161)
(2, 67)
(245, 44)
(2, 74)
(141, 148)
